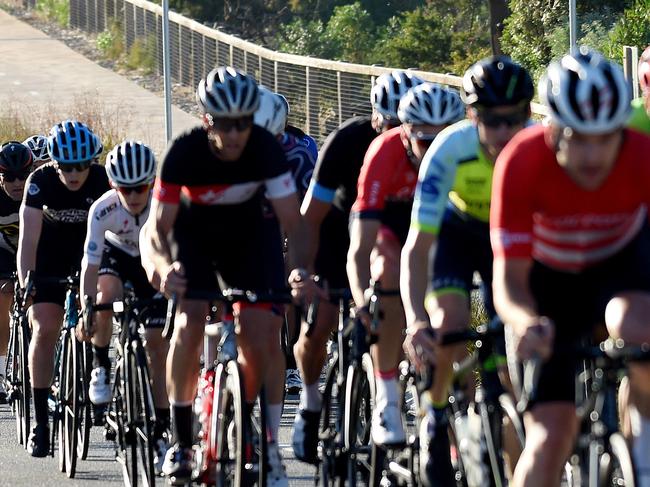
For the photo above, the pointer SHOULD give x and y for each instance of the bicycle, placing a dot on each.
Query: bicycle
(73, 363)
(601, 456)
(475, 423)
(17, 369)
(234, 446)
(131, 415)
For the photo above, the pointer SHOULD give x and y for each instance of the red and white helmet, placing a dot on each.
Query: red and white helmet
(389, 89)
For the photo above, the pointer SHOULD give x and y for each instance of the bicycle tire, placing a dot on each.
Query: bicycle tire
(258, 423)
(85, 419)
(70, 389)
(616, 467)
(230, 464)
(116, 418)
(58, 427)
(25, 383)
(329, 469)
(359, 401)
(142, 423)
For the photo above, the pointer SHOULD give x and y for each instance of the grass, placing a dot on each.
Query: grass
(20, 119)
(55, 11)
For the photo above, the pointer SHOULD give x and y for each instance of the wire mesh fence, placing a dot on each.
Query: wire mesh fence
(321, 93)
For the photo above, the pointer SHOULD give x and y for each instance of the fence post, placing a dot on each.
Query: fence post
(260, 66)
(275, 76)
(307, 100)
(630, 68)
(246, 62)
(232, 54)
(338, 96)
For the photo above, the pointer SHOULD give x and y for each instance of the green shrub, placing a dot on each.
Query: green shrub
(142, 55)
(55, 11)
(111, 41)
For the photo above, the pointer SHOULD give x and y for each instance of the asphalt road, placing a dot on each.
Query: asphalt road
(18, 468)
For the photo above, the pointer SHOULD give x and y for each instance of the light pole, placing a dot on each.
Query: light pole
(572, 26)
(167, 86)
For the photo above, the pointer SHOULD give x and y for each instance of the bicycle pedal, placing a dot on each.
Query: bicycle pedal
(109, 434)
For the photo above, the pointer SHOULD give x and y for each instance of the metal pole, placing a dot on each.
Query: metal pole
(572, 26)
(167, 82)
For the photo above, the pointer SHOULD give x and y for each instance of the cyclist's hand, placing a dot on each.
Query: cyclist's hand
(173, 281)
(536, 340)
(363, 315)
(419, 344)
(303, 287)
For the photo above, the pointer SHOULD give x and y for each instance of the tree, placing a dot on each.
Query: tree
(350, 33)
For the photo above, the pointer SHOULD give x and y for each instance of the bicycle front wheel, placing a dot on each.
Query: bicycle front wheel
(615, 466)
(82, 368)
(230, 437)
(69, 424)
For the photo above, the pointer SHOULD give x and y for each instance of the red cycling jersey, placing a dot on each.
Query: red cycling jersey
(538, 211)
(387, 175)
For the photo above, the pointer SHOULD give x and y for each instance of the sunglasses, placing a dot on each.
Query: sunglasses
(126, 190)
(79, 166)
(494, 120)
(10, 177)
(227, 124)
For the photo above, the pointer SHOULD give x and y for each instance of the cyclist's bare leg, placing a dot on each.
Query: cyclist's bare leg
(311, 352)
(385, 269)
(185, 350)
(46, 319)
(275, 376)
(551, 429)
(109, 289)
(156, 347)
(258, 339)
(626, 317)
(449, 312)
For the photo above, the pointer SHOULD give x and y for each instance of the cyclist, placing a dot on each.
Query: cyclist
(15, 166)
(38, 145)
(451, 210)
(272, 115)
(307, 140)
(209, 182)
(380, 219)
(640, 117)
(326, 209)
(111, 258)
(53, 217)
(569, 229)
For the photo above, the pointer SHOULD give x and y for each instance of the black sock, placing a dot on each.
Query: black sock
(100, 359)
(40, 405)
(162, 422)
(182, 425)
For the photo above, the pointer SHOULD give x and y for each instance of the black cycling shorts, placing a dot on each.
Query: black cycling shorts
(333, 246)
(116, 262)
(54, 261)
(463, 248)
(244, 248)
(576, 303)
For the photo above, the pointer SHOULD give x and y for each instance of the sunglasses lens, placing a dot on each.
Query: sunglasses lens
(227, 124)
(133, 189)
(79, 167)
(11, 177)
(495, 121)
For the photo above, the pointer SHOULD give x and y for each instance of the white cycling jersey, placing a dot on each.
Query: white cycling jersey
(109, 220)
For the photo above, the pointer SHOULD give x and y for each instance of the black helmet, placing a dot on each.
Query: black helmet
(15, 157)
(496, 81)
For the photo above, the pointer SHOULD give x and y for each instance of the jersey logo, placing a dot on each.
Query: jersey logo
(106, 211)
(92, 246)
(90, 201)
(33, 189)
(210, 196)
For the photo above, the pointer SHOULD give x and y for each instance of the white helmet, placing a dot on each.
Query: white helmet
(38, 145)
(586, 92)
(72, 142)
(389, 89)
(430, 104)
(272, 112)
(227, 92)
(131, 164)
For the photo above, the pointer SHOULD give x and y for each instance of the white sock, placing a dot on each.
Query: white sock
(310, 398)
(640, 426)
(274, 416)
(387, 390)
(3, 364)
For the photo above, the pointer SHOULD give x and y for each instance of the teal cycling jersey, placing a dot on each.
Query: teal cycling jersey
(456, 172)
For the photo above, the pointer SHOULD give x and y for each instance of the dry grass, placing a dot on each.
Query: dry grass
(20, 119)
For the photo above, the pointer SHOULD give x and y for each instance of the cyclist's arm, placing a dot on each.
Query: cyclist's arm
(513, 300)
(313, 210)
(31, 224)
(414, 276)
(155, 251)
(363, 235)
(89, 277)
(98, 222)
(288, 212)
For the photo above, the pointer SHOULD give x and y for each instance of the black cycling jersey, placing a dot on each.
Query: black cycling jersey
(65, 212)
(340, 161)
(9, 209)
(220, 224)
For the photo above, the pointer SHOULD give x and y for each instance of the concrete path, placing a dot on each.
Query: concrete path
(44, 77)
